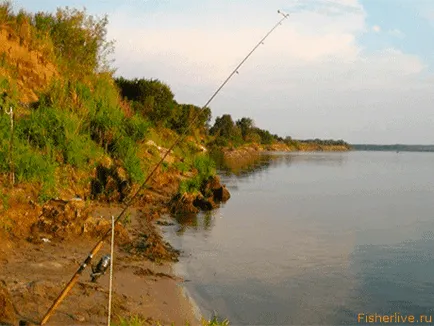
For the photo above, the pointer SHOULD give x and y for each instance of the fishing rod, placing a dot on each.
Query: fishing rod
(98, 246)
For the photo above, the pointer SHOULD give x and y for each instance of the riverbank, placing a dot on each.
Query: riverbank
(240, 156)
(36, 265)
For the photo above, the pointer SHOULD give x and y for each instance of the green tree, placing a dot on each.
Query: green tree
(226, 130)
(246, 125)
(187, 114)
(151, 98)
(223, 126)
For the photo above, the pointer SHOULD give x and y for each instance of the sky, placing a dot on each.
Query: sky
(358, 70)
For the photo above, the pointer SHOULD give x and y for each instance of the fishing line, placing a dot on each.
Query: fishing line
(98, 246)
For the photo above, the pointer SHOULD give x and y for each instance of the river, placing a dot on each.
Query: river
(315, 239)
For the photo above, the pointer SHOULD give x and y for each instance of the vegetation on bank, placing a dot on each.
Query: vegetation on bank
(229, 133)
(72, 113)
(79, 115)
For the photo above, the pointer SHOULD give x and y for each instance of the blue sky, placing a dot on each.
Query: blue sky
(360, 70)
(404, 25)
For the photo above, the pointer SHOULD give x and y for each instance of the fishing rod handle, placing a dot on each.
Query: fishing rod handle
(71, 283)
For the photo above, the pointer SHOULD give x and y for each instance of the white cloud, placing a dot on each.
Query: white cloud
(396, 33)
(212, 50)
(376, 29)
(311, 75)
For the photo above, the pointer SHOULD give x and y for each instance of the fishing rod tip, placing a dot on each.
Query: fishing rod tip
(282, 13)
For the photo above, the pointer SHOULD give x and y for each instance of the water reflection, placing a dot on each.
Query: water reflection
(243, 166)
(257, 163)
(203, 221)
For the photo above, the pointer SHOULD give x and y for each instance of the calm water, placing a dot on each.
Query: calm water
(316, 239)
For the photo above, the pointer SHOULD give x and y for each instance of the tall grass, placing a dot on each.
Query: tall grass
(55, 131)
(125, 149)
(29, 164)
(204, 167)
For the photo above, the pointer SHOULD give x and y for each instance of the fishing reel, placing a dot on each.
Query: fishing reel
(100, 268)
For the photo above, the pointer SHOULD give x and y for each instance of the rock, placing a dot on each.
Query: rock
(183, 204)
(205, 204)
(151, 143)
(7, 311)
(210, 185)
(165, 223)
(110, 183)
(79, 318)
(221, 194)
(26, 323)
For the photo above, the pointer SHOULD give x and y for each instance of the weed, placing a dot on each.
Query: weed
(132, 321)
(137, 321)
(164, 167)
(181, 166)
(126, 221)
(4, 201)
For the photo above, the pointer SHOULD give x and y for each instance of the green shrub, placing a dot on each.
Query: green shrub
(190, 186)
(205, 167)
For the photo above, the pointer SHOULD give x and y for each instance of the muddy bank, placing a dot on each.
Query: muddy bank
(144, 285)
(48, 241)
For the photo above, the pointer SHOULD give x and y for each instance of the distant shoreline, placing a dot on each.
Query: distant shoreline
(393, 148)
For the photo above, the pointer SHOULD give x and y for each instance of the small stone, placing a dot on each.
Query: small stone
(79, 318)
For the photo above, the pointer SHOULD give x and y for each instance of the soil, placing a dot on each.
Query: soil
(45, 245)
(35, 273)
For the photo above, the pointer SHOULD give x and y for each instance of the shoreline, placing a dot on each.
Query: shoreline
(254, 149)
(161, 294)
(143, 287)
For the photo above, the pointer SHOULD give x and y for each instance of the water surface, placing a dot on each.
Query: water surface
(315, 239)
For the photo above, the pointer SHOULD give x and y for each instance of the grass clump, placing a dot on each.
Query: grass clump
(125, 149)
(132, 321)
(204, 167)
(137, 321)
